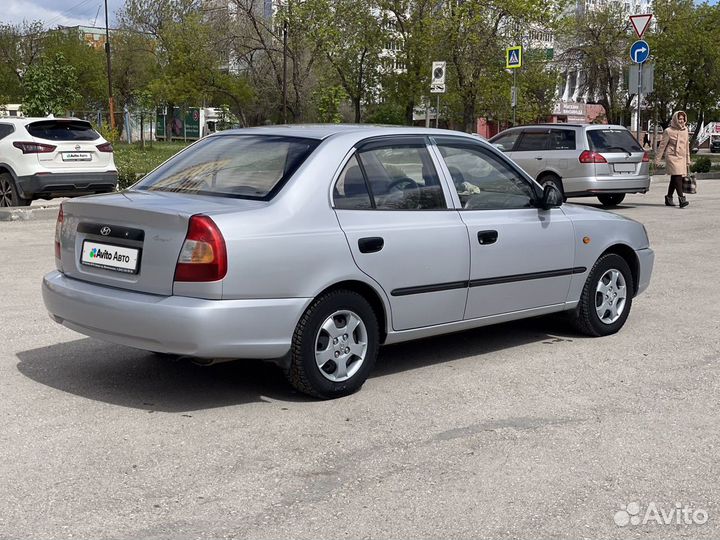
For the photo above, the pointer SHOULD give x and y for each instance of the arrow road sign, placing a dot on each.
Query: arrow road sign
(640, 23)
(640, 51)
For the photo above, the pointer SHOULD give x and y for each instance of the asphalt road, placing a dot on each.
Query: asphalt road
(520, 430)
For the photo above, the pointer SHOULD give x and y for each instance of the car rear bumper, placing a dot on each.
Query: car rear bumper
(66, 184)
(248, 328)
(646, 260)
(596, 185)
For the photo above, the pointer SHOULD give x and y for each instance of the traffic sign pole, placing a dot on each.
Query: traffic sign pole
(639, 98)
(514, 96)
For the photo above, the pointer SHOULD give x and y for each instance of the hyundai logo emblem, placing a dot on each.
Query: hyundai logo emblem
(105, 230)
(77, 147)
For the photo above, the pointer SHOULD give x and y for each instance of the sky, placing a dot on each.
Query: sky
(55, 12)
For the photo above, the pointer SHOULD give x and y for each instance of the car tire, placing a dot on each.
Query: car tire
(326, 360)
(9, 194)
(609, 200)
(609, 281)
(549, 178)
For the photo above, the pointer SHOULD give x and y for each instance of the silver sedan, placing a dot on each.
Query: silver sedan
(314, 245)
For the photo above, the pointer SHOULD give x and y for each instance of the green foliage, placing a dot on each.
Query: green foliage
(328, 100)
(109, 134)
(133, 161)
(686, 52)
(49, 87)
(597, 41)
(701, 165)
(386, 113)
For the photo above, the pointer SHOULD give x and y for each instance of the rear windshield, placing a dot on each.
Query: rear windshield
(612, 141)
(63, 130)
(244, 166)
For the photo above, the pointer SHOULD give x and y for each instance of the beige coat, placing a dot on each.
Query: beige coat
(675, 147)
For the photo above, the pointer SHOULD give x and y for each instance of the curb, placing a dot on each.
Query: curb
(27, 214)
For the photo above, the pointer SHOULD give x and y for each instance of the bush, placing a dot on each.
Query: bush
(701, 165)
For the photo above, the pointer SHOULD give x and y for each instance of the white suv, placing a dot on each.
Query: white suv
(43, 158)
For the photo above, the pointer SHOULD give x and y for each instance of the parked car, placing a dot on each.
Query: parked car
(581, 160)
(44, 158)
(314, 245)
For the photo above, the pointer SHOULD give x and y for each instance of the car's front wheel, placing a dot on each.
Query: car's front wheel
(611, 199)
(606, 297)
(334, 346)
(9, 194)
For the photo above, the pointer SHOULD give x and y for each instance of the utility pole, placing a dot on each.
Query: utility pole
(109, 69)
(284, 77)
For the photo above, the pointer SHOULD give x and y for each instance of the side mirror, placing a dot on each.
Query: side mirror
(551, 197)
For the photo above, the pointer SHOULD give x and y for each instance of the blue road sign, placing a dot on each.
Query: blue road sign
(640, 51)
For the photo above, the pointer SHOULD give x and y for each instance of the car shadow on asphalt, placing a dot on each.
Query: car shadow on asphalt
(482, 341)
(137, 379)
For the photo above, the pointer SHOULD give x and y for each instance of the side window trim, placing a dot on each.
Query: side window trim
(336, 178)
(473, 145)
(412, 141)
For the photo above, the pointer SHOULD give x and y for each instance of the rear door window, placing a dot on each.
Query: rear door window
(562, 139)
(242, 166)
(612, 140)
(63, 130)
(5, 130)
(403, 177)
(533, 141)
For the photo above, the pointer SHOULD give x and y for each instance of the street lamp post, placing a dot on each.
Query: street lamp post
(109, 69)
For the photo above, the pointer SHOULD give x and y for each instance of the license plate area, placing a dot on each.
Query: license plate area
(624, 167)
(110, 257)
(76, 156)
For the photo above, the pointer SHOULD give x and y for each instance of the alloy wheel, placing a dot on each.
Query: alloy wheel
(610, 296)
(341, 345)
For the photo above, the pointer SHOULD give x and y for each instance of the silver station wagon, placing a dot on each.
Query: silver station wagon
(581, 160)
(314, 245)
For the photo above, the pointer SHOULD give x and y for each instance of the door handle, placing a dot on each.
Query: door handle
(538, 158)
(372, 244)
(487, 237)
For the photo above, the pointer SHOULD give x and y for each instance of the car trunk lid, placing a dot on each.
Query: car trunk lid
(131, 240)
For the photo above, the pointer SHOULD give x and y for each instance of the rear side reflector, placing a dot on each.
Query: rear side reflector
(203, 256)
(591, 157)
(34, 148)
(105, 147)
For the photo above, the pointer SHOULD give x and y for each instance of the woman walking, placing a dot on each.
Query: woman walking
(675, 146)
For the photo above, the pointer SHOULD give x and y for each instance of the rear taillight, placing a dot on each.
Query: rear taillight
(105, 147)
(588, 156)
(646, 157)
(34, 148)
(58, 231)
(203, 256)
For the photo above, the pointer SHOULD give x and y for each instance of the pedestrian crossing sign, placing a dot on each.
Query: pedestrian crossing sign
(513, 57)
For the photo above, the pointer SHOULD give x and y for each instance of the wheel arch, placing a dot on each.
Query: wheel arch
(552, 173)
(630, 257)
(370, 294)
(5, 168)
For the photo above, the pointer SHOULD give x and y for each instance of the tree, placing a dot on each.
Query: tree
(350, 37)
(49, 87)
(20, 48)
(596, 42)
(191, 58)
(687, 60)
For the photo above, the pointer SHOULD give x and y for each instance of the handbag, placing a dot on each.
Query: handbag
(688, 184)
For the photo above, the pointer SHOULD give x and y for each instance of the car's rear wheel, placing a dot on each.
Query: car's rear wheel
(334, 346)
(611, 199)
(606, 297)
(9, 194)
